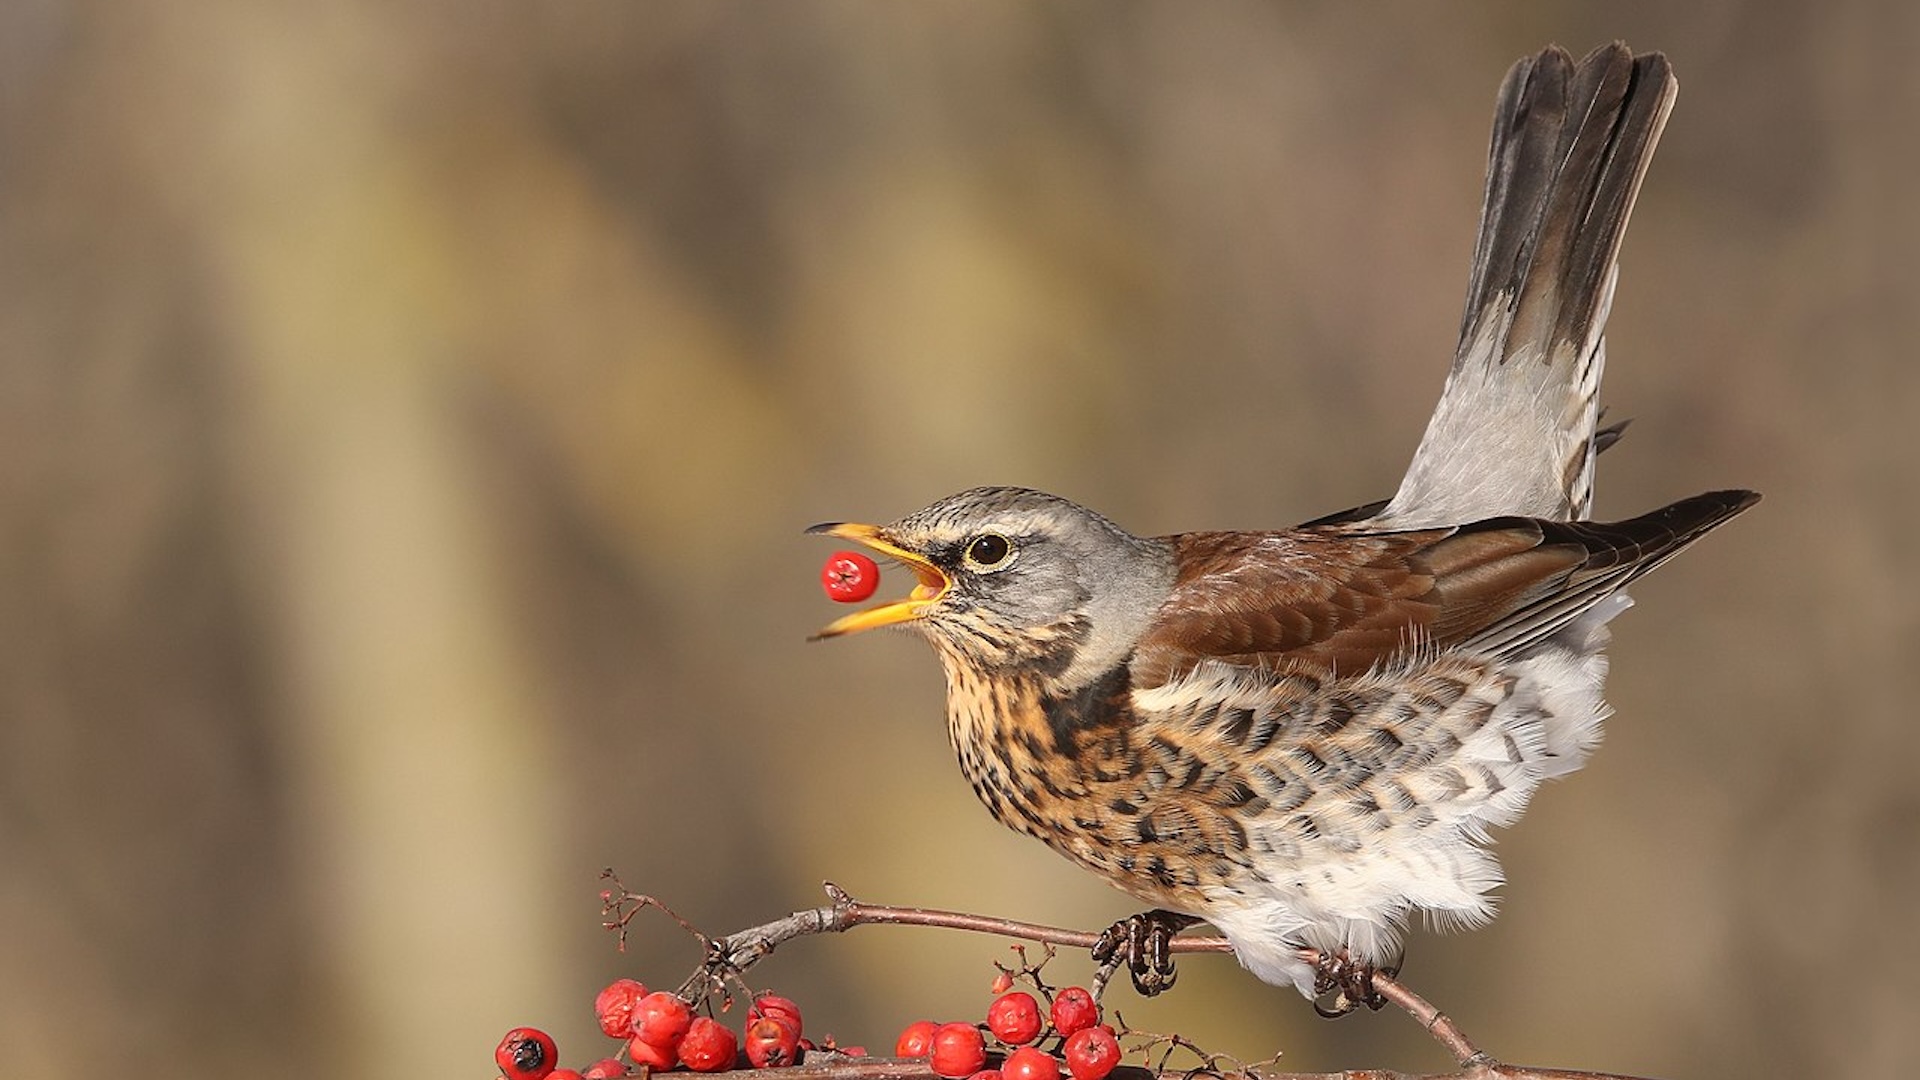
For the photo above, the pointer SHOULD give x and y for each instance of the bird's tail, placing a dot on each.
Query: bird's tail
(1514, 430)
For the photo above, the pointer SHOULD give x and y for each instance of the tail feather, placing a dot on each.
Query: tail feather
(1514, 431)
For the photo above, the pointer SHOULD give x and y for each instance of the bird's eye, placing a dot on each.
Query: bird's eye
(989, 551)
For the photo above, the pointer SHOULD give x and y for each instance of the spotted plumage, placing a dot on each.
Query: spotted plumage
(1304, 736)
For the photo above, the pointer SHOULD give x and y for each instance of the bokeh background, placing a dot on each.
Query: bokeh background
(408, 415)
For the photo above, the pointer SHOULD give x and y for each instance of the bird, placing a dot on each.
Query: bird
(1304, 736)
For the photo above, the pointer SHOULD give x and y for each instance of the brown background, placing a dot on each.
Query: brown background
(408, 414)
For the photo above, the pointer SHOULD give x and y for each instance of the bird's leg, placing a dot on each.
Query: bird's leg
(1350, 982)
(1144, 943)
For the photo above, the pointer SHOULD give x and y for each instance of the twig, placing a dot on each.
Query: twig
(743, 949)
(1438, 1024)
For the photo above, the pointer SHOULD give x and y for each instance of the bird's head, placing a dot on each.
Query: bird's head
(1012, 577)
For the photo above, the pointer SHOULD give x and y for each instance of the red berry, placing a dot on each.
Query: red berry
(1014, 1018)
(526, 1054)
(1030, 1063)
(916, 1040)
(614, 1007)
(1073, 1010)
(709, 1046)
(662, 1019)
(1092, 1053)
(771, 1043)
(604, 1069)
(777, 1007)
(565, 1074)
(657, 1058)
(986, 1074)
(958, 1051)
(849, 577)
(1002, 983)
(854, 1051)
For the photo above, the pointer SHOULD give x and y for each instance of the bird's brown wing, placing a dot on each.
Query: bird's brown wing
(1332, 600)
(1325, 600)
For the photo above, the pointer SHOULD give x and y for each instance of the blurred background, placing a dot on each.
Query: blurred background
(409, 413)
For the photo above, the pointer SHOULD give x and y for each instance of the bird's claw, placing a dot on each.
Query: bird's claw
(1144, 944)
(1344, 984)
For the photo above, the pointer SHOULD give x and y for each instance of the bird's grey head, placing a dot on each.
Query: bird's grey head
(1015, 577)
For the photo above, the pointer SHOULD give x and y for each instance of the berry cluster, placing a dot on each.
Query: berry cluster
(958, 1051)
(661, 1032)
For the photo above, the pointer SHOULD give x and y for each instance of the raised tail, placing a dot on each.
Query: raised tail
(1514, 430)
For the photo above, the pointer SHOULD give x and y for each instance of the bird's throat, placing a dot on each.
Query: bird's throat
(1075, 771)
(1029, 751)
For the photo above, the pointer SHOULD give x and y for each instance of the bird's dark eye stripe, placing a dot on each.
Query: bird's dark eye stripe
(989, 550)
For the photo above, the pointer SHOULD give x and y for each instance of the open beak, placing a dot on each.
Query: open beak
(932, 586)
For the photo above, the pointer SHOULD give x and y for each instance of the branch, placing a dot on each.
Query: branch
(845, 1068)
(729, 957)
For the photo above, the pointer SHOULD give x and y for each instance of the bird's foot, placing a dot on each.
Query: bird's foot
(1144, 944)
(1344, 984)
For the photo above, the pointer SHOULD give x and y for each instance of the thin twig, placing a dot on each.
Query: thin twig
(743, 949)
(1438, 1024)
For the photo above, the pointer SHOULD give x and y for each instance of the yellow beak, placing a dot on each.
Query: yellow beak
(933, 583)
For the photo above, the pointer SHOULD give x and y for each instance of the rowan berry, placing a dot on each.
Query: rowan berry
(657, 1058)
(958, 1051)
(526, 1054)
(1092, 1053)
(1030, 1063)
(771, 1043)
(709, 1046)
(849, 577)
(986, 1074)
(916, 1039)
(1073, 1010)
(1002, 983)
(565, 1074)
(604, 1069)
(661, 1019)
(614, 1007)
(777, 1007)
(1014, 1018)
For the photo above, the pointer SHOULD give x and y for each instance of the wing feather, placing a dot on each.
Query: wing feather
(1331, 600)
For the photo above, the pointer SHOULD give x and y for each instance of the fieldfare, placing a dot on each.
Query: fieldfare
(1302, 736)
